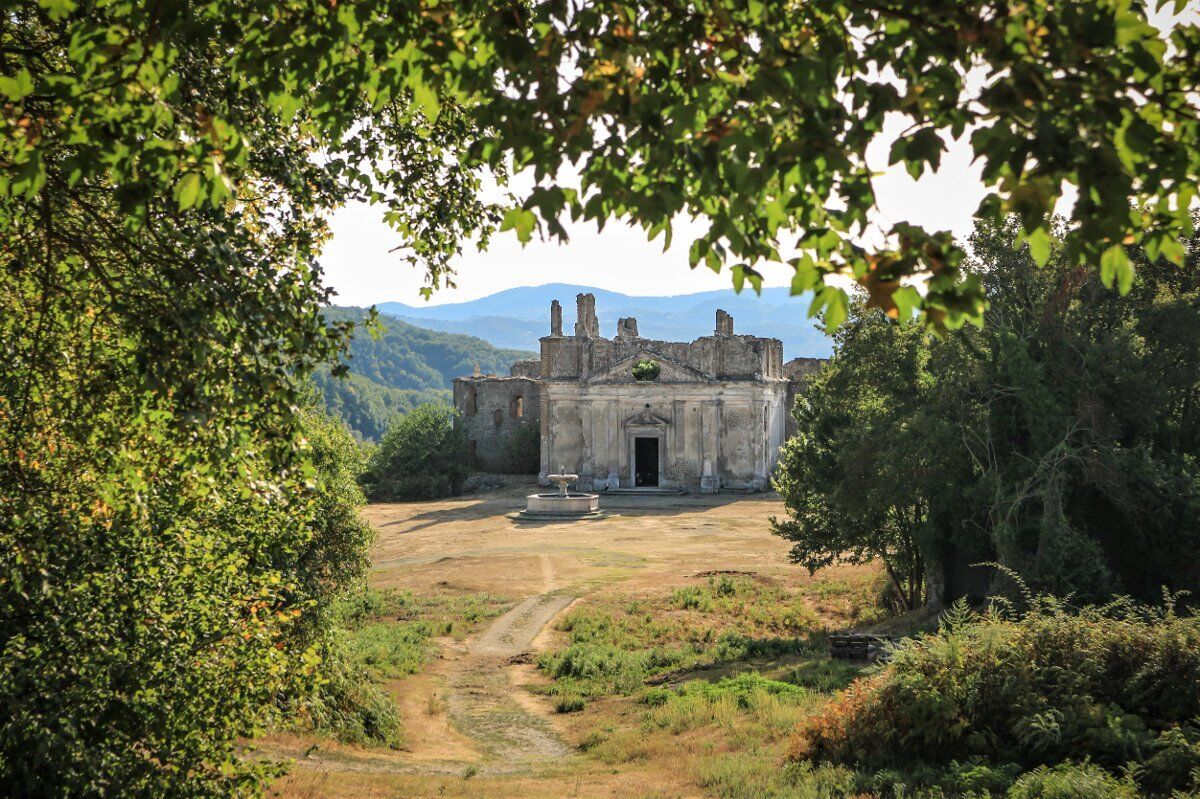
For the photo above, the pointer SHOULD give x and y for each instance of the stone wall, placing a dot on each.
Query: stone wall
(716, 357)
(490, 409)
(729, 432)
(796, 371)
(530, 368)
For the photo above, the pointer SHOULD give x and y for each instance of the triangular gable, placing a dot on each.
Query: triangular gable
(669, 371)
(645, 418)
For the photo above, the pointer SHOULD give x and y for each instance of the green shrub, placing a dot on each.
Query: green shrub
(1070, 781)
(825, 675)
(770, 608)
(390, 649)
(750, 706)
(596, 669)
(522, 450)
(349, 705)
(646, 370)
(423, 455)
(980, 778)
(1119, 686)
(569, 704)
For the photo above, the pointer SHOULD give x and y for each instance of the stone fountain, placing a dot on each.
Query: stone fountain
(563, 504)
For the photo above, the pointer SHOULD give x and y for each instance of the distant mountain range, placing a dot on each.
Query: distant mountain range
(517, 318)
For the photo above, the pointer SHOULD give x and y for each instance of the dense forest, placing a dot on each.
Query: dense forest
(395, 366)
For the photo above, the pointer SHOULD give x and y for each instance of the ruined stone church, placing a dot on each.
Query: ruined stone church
(709, 414)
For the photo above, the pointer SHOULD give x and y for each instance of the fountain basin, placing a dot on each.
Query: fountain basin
(571, 503)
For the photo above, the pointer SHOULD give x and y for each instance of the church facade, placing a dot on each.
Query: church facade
(629, 412)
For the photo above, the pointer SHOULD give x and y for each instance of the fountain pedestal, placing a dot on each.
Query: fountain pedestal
(563, 504)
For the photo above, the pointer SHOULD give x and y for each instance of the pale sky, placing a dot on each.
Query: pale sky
(359, 266)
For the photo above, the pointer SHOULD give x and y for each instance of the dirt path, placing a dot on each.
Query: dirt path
(482, 692)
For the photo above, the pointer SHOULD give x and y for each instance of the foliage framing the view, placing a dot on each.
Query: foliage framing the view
(1059, 440)
(755, 116)
(165, 169)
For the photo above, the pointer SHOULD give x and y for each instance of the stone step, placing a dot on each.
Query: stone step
(653, 491)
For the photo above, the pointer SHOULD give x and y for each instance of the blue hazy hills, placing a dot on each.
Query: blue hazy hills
(516, 318)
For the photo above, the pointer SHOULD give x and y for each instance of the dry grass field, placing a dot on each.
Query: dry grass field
(603, 676)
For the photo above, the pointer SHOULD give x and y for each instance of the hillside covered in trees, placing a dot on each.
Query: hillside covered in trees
(395, 366)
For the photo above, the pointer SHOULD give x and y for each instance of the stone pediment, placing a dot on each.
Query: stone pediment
(670, 371)
(646, 418)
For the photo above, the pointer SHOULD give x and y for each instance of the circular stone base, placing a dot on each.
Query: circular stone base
(574, 503)
(528, 516)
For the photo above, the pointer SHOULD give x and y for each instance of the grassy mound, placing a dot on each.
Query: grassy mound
(615, 646)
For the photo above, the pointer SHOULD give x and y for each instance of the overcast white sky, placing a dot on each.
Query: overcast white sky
(359, 267)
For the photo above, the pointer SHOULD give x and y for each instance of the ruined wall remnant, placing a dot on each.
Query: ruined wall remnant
(529, 368)
(797, 371)
(586, 324)
(492, 408)
(627, 328)
(555, 318)
(724, 324)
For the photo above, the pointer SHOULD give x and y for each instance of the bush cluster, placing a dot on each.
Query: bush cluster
(522, 450)
(1115, 687)
(423, 455)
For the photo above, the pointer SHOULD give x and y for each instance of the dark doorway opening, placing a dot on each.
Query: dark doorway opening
(645, 461)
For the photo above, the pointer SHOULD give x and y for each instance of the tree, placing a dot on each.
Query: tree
(423, 456)
(857, 477)
(522, 449)
(160, 306)
(334, 558)
(1059, 440)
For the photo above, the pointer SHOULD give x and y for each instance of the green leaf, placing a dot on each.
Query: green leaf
(739, 279)
(426, 99)
(907, 300)
(17, 87)
(1039, 246)
(832, 304)
(522, 220)
(187, 191)
(58, 8)
(1114, 264)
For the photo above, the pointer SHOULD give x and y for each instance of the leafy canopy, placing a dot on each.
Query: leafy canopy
(755, 116)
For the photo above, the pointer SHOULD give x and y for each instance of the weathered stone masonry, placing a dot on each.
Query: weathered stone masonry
(714, 418)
